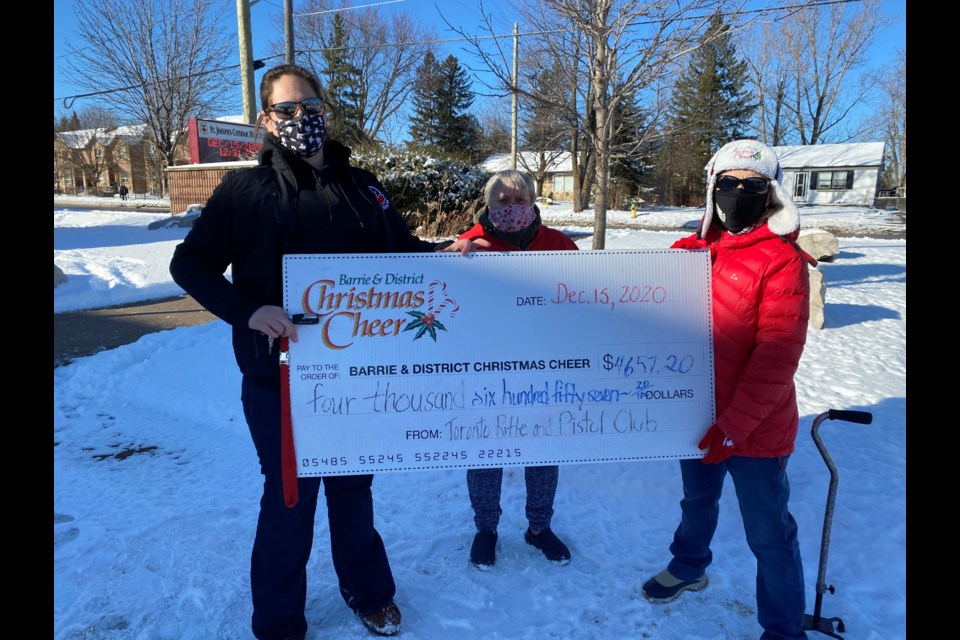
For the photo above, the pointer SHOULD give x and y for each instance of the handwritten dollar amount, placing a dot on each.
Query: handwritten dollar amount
(647, 365)
(623, 294)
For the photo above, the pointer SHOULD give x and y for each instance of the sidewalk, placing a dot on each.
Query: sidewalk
(133, 203)
(83, 333)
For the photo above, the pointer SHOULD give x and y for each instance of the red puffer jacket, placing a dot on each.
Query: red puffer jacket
(546, 239)
(761, 306)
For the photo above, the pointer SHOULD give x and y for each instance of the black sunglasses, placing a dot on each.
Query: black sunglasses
(313, 106)
(750, 185)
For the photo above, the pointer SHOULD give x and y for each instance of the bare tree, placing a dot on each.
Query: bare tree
(891, 119)
(83, 148)
(762, 53)
(166, 58)
(825, 46)
(385, 50)
(612, 50)
(495, 127)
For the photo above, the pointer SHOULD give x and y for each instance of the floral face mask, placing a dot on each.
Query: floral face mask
(512, 217)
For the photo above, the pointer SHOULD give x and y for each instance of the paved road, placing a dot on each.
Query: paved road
(83, 333)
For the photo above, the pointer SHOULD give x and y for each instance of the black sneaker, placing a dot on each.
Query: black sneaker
(483, 553)
(385, 622)
(550, 544)
(665, 587)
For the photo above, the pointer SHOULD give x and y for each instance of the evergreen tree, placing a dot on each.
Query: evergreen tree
(630, 172)
(425, 121)
(345, 121)
(67, 122)
(544, 125)
(710, 106)
(441, 99)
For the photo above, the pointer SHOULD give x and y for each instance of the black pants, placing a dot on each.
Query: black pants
(278, 577)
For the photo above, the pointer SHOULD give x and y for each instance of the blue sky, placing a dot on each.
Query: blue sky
(265, 14)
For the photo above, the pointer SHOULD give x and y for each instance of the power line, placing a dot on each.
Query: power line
(73, 99)
(765, 10)
(362, 6)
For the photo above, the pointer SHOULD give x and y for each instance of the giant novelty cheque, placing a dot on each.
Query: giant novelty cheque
(434, 361)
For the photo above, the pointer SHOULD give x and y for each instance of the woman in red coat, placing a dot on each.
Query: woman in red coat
(761, 299)
(511, 222)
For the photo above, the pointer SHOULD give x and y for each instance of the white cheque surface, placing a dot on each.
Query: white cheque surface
(428, 361)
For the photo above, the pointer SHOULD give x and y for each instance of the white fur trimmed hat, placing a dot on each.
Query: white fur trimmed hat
(753, 156)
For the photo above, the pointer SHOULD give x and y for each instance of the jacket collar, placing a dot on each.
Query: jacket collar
(333, 155)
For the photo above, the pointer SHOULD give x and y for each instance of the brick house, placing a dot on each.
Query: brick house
(98, 161)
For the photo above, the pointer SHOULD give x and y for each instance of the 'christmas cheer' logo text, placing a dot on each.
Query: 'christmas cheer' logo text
(345, 313)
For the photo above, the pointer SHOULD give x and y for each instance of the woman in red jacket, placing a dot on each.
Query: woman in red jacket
(511, 222)
(760, 310)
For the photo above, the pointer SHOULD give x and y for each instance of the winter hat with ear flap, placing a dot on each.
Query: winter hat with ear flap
(753, 156)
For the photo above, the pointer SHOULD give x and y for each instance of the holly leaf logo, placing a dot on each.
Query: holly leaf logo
(424, 323)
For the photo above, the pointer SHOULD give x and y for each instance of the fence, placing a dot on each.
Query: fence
(193, 183)
(891, 204)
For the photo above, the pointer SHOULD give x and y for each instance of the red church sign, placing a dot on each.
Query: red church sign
(221, 141)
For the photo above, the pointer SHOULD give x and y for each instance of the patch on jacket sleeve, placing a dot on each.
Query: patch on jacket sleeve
(379, 195)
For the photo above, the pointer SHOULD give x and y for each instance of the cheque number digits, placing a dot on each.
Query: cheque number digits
(492, 454)
(382, 458)
(324, 462)
(439, 456)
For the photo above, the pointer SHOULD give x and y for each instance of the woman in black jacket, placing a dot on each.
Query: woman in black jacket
(302, 197)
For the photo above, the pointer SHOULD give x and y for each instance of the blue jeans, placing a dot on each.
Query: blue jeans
(284, 538)
(483, 485)
(763, 492)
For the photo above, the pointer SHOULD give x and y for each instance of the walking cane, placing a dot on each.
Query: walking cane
(816, 622)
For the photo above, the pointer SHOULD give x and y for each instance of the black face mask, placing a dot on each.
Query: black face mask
(738, 210)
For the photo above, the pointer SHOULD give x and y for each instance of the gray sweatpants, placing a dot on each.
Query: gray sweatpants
(484, 488)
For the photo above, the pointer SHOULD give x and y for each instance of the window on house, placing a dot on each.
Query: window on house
(98, 153)
(562, 184)
(832, 180)
(123, 178)
(122, 153)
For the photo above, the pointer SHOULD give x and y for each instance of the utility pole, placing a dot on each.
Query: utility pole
(513, 134)
(288, 29)
(246, 61)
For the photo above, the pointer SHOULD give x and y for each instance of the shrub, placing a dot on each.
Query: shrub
(437, 197)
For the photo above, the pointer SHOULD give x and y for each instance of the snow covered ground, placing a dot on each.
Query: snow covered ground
(156, 481)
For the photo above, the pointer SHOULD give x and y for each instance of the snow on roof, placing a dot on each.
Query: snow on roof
(77, 139)
(129, 133)
(557, 161)
(856, 154)
(240, 119)
(81, 138)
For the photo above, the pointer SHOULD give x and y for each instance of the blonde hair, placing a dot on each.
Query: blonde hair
(509, 178)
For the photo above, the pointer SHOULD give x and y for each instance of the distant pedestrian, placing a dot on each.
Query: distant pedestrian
(123, 191)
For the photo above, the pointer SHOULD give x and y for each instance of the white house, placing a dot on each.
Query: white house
(813, 174)
(552, 170)
(832, 173)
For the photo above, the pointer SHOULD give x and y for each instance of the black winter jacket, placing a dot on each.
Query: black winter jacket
(258, 214)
